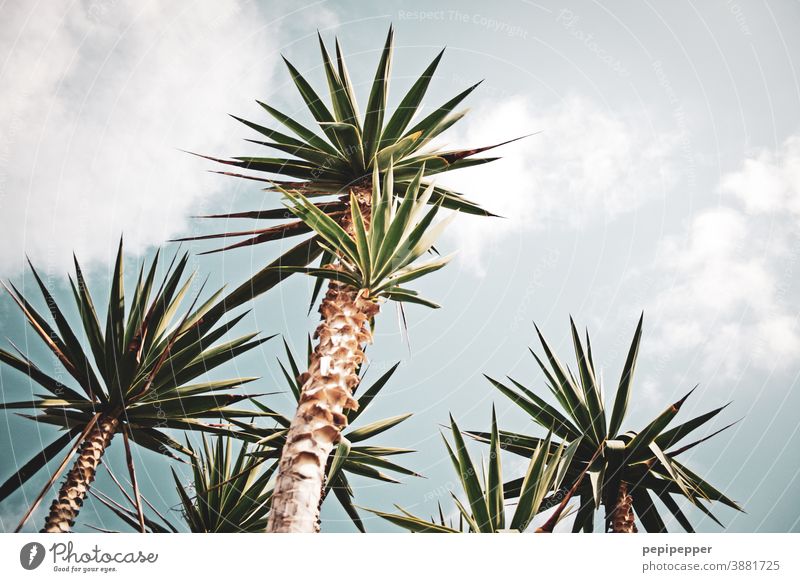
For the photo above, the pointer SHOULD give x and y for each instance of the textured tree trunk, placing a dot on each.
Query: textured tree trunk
(64, 510)
(327, 391)
(622, 520)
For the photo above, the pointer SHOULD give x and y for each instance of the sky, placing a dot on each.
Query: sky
(662, 175)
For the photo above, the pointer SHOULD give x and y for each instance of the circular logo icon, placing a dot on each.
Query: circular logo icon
(31, 555)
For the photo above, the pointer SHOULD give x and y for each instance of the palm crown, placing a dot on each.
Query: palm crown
(344, 154)
(379, 258)
(643, 463)
(229, 492)
(139, 370)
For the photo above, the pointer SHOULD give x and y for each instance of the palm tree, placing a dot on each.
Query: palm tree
(485, 510)
(633, 467)
(134, 379)
(339, 159)
(229, 494)
(371, 265)
(338, 169)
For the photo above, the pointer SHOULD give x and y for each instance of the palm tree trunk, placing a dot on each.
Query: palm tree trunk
(622, 520)
(327, 391)
(64, 510)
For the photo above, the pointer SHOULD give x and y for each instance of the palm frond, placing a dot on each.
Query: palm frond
(485, 509)
(380, 258)
(229, 492)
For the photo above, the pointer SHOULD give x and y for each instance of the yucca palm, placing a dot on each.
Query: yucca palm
(353, 453)
(135, 378)
(485, 509)
(371, 265)
(634, 467)
(337, 169)
(339, 159)
(229, 493)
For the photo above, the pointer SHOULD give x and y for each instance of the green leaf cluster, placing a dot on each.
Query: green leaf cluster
(646, 459)
(381, 258)
(485, 508)
(146, 365)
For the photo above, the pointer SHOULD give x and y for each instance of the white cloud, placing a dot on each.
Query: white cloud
(97, 97)
(770, 181)
(588, 164)
(723, 284)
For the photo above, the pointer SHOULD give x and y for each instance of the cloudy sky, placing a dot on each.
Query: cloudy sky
(663, 175)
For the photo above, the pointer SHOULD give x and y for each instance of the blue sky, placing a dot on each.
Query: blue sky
(664, 176)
